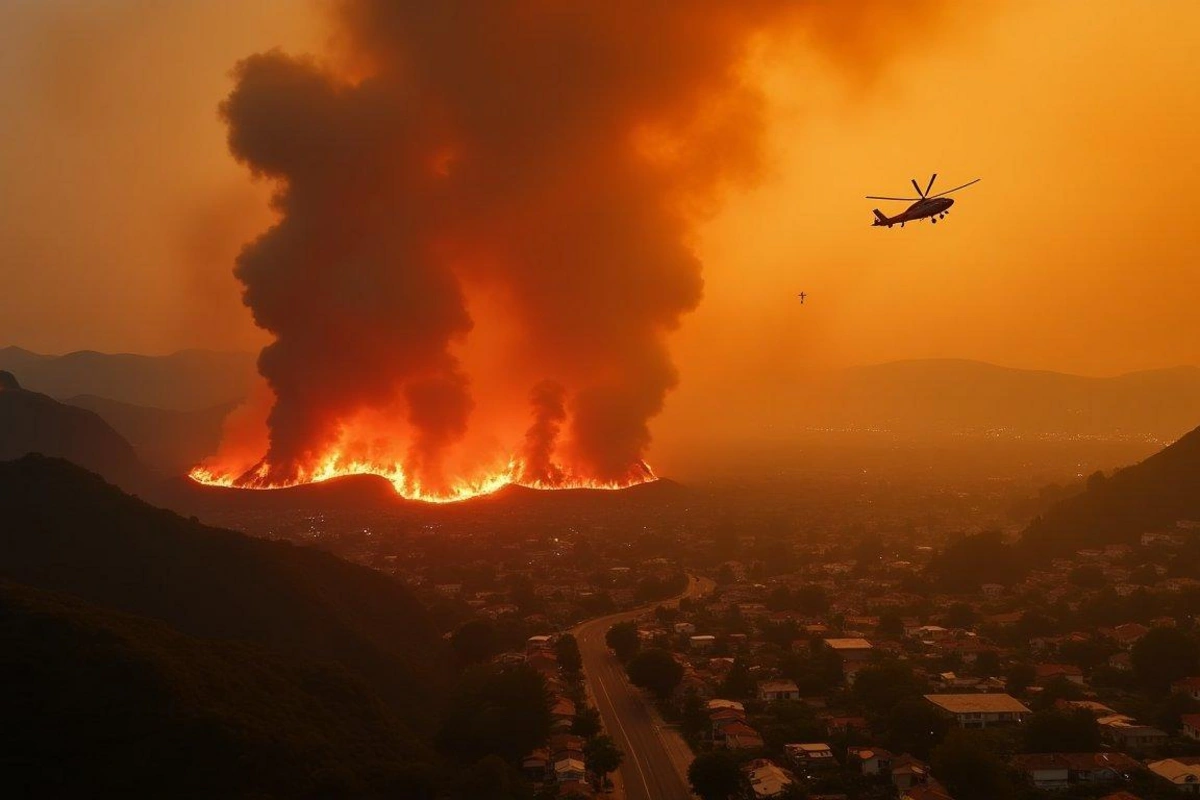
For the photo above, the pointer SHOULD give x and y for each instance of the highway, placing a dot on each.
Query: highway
(656, 757)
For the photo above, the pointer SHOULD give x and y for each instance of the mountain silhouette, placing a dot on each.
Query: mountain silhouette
(97, 703)
(166, 439)
(66, 530)
(1149, 496)
(954, 396)
(190, 380)
(36, 423)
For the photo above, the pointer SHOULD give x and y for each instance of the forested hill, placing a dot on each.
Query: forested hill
(102, 704)
(1152, 495)
(63, 529)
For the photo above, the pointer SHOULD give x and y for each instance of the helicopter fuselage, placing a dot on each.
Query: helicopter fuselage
(923, 208)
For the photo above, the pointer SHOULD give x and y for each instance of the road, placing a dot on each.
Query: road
(656, 757)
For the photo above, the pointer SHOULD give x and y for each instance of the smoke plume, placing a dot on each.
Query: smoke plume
(556, 154)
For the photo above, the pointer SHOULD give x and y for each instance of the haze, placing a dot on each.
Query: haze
(123, 210)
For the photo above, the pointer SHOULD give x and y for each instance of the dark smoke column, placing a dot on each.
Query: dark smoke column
(561, 153)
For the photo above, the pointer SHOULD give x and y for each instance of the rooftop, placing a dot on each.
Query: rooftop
(848, 644)
(978, 703)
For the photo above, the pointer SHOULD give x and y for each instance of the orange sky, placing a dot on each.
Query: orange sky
(121, 210)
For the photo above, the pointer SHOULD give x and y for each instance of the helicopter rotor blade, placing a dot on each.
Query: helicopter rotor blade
(930, 186)
(956, 188)
(902, 199)
(917, 187)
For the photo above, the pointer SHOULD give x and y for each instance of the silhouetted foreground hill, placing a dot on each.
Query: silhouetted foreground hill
(1148, 496)
(35, 423)
(98, 703)
(168, 440)
(63, 529)
(951, 396)
(189, 380)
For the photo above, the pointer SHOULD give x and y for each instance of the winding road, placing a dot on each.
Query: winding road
(656, 757)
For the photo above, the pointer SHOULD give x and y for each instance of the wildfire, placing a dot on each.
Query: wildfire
(334, 465)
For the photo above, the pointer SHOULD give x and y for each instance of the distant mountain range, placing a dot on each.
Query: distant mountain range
(171, 441)
(955, 396)
(190, 380)
(1149, 496)
(271, 666)
(31, 422)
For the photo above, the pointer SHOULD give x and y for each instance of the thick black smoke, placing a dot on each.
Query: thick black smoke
(561, 153)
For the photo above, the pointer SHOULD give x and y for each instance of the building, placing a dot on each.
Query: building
(980, 710)
(1191, 726)
(778, 690)
(766, 778)
(1129, 734)
(1185, 777)
(852, 651)
(702, 642)
(810, 756)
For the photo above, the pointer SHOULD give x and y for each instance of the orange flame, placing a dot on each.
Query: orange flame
(334, 465)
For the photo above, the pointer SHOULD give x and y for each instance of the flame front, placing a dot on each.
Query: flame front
(335, 465)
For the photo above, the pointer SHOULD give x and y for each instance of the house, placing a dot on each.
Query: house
(1188, 686)
(1060, 770)
(870, 760)
(926, 791)
(778, 690)
(766, 778)
(815, 755)
(1191, 726)
(717, 704)
(1094, 768)
(907, 772)
(1045, 673)
(1043, 770)
(744, 738)
(536, 766)
(702, 642)
(568, 770)
(980, 710)
(852, 651)
(1129, 734)
(1185, 777)
(1091, 706)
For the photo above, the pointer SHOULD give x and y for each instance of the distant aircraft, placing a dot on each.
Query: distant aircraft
(802, 296)
(934, 207)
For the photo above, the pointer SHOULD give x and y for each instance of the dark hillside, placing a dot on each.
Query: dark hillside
(1148, 496)
(64, 529)
(98, 703)
(36, 423)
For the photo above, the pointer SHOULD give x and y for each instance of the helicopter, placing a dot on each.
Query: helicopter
(933, 207)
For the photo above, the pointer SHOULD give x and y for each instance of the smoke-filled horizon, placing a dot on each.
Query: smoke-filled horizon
(557, 156)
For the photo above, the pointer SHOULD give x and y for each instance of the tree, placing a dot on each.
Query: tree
(1162, 656)
(602, 756)
(474, 641)
(715, 775)
(915, 726)
(891, 626)
(1054, 731)
(623, 640)
(490, 778)
(501, 710)
(569, 657)
(960, 615)
(738, 684)
(656, 670)
(694, 716)
(878, 687)
(1020, 676)
(969, 767)
(586, 723)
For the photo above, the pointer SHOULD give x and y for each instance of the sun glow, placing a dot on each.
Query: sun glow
(334, 465)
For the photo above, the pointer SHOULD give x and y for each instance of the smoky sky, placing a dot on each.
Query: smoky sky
(560, 155)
